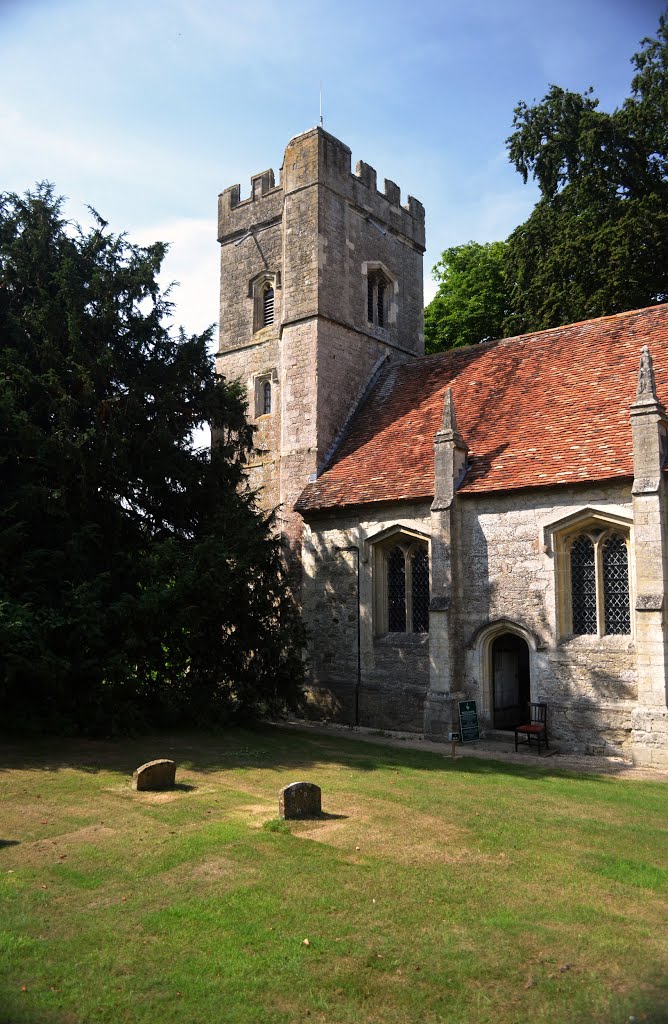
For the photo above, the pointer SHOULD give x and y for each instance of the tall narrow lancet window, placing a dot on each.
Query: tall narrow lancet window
(583, 586)
(420, 590)
(377, 293)
(616, 585)
(268, 306)
(380, 294)
(370, 299)
(266, 398)
(396, 591)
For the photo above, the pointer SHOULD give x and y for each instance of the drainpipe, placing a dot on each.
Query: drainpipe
(355, 549)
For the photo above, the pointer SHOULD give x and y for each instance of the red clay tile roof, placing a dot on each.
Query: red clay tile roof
(536, 410)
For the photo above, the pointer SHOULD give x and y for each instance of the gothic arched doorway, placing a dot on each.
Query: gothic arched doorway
(511, 681)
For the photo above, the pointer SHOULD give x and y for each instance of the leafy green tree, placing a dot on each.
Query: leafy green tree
(471, 303)
(597, 240)
(139, 584)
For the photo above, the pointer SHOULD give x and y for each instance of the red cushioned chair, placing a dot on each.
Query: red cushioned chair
(536, 726)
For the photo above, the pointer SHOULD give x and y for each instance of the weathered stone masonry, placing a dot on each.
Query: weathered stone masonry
(363, 453)
(315, 232)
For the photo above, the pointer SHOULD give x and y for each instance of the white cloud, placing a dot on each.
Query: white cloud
(192, 262)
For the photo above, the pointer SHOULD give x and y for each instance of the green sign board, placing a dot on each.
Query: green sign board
(468, 721)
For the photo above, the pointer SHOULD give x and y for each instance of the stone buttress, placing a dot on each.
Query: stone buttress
(650, 437)
(450, 452)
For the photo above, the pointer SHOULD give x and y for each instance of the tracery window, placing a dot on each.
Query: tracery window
(377, 293)
(403, 570)
(599, 583)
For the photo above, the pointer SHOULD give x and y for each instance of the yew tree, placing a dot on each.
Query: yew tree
(139, 583)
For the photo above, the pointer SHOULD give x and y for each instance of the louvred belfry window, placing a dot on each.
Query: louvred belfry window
(376, 299)
(381, 302)
(268, 307)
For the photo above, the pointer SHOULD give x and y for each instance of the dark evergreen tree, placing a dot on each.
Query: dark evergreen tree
(597, 240)
(139, 584)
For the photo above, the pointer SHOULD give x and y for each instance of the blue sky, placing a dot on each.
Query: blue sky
(147, 110)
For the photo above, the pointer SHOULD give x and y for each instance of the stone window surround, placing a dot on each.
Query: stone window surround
(380, 546)
(257, 390)
(558, 539)
(257, 286)
(374, 270)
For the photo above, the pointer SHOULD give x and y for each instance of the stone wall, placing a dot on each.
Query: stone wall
(503, 580)
(505, 574)
(391, 678)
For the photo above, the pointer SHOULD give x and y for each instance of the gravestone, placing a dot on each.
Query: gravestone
(299, 800)
(158, 774)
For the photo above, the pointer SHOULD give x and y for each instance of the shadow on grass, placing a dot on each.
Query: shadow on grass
(263, 746)
(9, 842)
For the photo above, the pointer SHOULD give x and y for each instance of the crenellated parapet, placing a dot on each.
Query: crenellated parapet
(317, 158)
(412, 223)
(264, 205)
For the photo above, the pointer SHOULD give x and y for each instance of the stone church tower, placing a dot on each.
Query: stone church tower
(321, 285)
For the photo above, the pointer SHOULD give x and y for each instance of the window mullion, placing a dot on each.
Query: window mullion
(409, 592)
(600, 598)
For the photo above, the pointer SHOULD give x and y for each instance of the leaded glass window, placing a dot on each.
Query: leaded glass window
(420, 590)
(403, 603)
(598, 571)
(583, 586)
(266, 398)
(396, 591)
(616, 585)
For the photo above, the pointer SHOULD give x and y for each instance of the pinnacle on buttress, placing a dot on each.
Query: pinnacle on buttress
(646, 384)
(448, 421)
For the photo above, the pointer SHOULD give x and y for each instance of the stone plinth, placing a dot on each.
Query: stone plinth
(299, 800)
(158, 774)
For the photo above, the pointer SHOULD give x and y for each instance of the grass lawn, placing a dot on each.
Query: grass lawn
(468, 891)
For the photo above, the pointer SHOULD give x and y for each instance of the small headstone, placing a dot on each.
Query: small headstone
(299, 800)
(154, 775)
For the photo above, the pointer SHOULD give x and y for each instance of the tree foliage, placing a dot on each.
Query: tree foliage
(597, 240)
(471, 303)
(139, 584)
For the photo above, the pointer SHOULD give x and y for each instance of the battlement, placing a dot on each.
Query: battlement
(265, 204)
(317, 158)
(367, 176)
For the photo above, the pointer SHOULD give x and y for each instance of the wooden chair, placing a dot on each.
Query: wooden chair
(536, 726)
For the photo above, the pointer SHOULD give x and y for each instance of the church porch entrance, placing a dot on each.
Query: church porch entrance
(511, 681)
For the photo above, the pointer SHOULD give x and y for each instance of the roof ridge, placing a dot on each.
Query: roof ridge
(536, 334)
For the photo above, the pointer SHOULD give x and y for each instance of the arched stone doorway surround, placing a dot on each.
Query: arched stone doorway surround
(482, 645)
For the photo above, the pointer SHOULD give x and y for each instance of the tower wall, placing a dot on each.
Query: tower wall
(320, 233)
